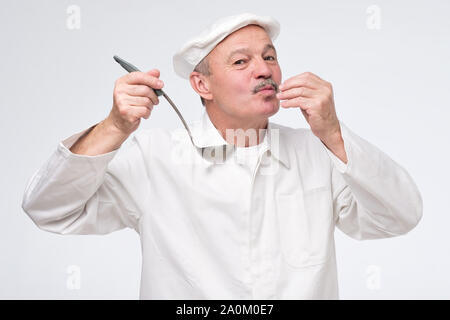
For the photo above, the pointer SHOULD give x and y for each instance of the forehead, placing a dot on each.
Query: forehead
(251, 37)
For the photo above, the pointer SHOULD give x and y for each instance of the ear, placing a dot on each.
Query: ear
(201, 85)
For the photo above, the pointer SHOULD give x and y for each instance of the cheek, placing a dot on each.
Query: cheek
(233, 88)
(239, 87)
(276, 75)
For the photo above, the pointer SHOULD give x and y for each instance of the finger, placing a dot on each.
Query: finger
(305, 114)
(303, 103)
(142, 91)
(313, 76)
(139, 101)
(154, 73)
(296, 92)
(138, 77)
(305, 80)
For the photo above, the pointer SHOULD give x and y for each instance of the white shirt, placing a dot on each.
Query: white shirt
(249, 156)
(213, 229)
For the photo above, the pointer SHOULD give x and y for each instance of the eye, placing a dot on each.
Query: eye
(273, 58)
(236, 62)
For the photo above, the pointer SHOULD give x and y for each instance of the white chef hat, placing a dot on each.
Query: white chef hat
(195, 49)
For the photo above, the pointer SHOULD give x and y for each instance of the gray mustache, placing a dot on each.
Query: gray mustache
(266, 82)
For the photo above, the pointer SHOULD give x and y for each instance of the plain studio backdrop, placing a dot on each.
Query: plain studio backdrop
(389, 66)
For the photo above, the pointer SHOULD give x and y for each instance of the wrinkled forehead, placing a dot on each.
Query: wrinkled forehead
(245, 37)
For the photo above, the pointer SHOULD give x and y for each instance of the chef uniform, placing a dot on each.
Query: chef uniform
(230, 223)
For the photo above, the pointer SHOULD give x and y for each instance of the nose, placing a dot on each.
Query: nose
(262, 69)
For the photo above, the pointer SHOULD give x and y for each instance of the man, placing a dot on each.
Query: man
(256, 222)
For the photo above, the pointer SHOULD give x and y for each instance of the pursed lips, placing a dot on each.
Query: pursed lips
(267, 88)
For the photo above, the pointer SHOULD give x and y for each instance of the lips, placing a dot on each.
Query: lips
(267, 89)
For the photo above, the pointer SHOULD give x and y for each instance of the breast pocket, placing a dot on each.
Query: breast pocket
(305, 225)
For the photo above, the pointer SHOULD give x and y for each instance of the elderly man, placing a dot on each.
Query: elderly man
(256, 222)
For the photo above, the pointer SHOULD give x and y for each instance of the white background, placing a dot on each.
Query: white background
(391, 88)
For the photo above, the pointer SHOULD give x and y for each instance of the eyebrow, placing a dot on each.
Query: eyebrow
(243, 50)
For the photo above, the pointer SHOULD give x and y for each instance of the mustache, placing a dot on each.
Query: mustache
(267, 82)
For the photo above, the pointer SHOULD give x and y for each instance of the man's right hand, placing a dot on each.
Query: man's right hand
(133, 99)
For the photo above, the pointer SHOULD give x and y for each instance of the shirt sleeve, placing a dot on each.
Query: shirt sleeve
(373, 196)
(80, 194)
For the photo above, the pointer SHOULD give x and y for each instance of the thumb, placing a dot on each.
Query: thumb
(154, 73)
(305, 114)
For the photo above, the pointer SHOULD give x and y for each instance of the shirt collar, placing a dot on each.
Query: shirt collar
(206, 135)
(277, 143)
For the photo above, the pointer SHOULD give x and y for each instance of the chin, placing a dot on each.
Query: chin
(268, 109)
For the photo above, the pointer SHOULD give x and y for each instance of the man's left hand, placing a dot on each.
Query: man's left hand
(314, 97)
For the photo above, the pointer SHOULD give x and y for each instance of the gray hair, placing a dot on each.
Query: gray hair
(203, 68)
